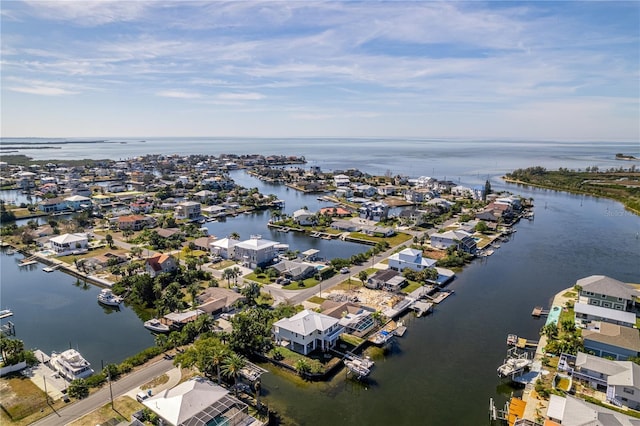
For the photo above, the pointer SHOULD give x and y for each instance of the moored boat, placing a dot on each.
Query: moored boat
(155, 325)
(512, 339)
(71, 365)
(106, 297)
(513, 366)
(6, 313)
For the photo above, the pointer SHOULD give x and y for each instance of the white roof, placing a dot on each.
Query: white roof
(452, 235)
(184, 401)
(77, 198)
(302, 212)
(306, 322)
(607, 313)
(256, 244)
(225, 243)
(69, 238)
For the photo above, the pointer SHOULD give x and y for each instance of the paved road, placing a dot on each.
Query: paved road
(102, 397)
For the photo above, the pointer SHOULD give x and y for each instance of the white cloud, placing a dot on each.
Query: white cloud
(241, 96)
(89, 12)
(179, 94)
(42, 90)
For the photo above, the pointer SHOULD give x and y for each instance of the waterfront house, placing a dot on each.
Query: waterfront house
(600, 290)
(365, 190)
(213, 211)
(344, 225)
(586, 314)
(355, 319)
(160, 263)
(135, 222)
(388, 279)
(189, 210)
(343, 192)
(462, 191)
(177, 320)
(373, 210)
(410, 258)
(205, 195)
(77, 202)
(611, 340)
(341, 180)
(215, 300)
(378, 231)
(304, 217)
(620, 380)
(69, 243)
(458, 238)
(224, 248)
(293, 270)
(52, 205)
(198, 402)
(334, 212)
(256, 251)
(572, 411)
(307, 331)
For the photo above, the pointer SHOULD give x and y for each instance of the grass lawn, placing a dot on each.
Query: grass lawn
(309, 282)
(224, 264)
(570, 294)
(262, 278)
(195, 253)
(347, 285)
(565, 316)
(123, 408)
(23, 401)
(316, 299)
(351, 339)
(97, 252)
(393, 241)
(160, 380)
(412, 286)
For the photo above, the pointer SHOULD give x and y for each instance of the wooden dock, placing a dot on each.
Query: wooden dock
(539, 311)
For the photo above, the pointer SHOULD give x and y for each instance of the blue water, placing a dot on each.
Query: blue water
(444, 360)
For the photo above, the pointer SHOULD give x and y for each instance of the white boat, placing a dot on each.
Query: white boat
(381, 337)
(6, 313)
(359, 366)
(71, 365)
(10, 252)
(106, 297)
(512, 339)
(155, 325)
(513, 366)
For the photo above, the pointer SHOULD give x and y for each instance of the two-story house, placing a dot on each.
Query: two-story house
(189, 210)
(373, 210)
(160, 263)
(605, 299)
(52, 205)
(135, 222)
(461, 239)
(256, 251)
(69, 243)
(410, 258)
(307, 331)
(619, 379)
(303, 217)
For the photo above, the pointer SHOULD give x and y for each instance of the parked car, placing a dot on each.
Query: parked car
(344, 270)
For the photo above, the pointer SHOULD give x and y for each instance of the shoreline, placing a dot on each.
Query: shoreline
(570, 191)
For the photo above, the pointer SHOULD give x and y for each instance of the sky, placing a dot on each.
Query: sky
(507, 69)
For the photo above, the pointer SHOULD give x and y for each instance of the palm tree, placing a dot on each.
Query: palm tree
(228, 274)
(251, 291)
(236, 274)
(218, 356)
(302, 367)
(231, 367)
(193, 292)
(234, 236)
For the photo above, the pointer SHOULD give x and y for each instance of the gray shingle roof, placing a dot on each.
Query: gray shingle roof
(601, 284)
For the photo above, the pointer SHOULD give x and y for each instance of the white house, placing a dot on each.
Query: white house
(69, 243)
(198, 402)
(77, 202)
(189, 210)
(307, 330)
(341, 180)
(303, 217)
(570, 410)
(586, 314)
(619, 379)
(224, 248)
(410, 258)
(256, 251)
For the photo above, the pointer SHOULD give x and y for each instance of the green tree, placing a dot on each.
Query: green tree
(109, 239)
(302, 367)
(231, 367)
(78, 389)
(362, 275)
(251, 291)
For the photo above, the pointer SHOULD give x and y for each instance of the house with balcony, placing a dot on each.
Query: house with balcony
(307, 331)
(78, 202)
(69, 243)
(458, 238)
(572, 411)
(224, 248)
(189, 210)
(374, 210)
(53, 205)
(620, 380)
(256, 251)
(355, 319)
(600, 290)
(410, 258)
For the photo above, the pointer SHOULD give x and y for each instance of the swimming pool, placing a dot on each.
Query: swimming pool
(554, 315)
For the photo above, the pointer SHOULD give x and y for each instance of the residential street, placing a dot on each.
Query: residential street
(102, 397)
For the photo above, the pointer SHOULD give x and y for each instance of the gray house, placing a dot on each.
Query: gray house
(600, 290)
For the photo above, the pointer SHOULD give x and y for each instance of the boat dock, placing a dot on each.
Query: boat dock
(28, 261)
(400, 330)
(50, 268)
(539, 311)
(8, 329)
(439, 297)
(421, 308)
